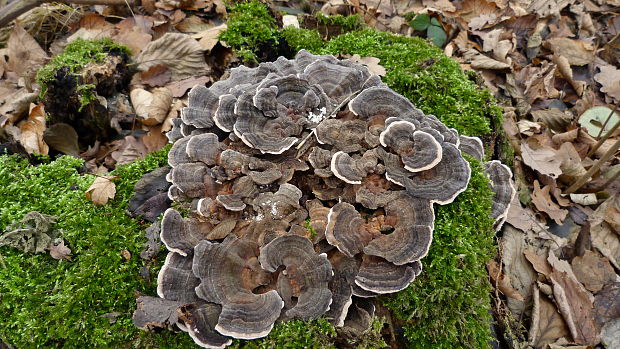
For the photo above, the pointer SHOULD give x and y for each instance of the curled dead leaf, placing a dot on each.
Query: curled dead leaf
(151, 107)
(179, 52)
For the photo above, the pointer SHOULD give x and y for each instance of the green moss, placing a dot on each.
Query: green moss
(449, 303)
(249, 24)
(47, 303)
(75, 56)
(346, 23)
(303, 39)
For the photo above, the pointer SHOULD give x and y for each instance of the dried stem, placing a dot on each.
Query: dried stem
(583, 179)
(607, 121)
(607, 135)
(19, 7)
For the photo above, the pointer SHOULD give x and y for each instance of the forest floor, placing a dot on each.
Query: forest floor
(552, 65)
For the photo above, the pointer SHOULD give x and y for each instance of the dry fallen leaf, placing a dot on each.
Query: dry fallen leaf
(31, 136)
(609, 78)
(577, 52)
(63, 138)
(209, 38)
(372, 63)
(603, 222)
(151, 107)
(157, 75)
(547, 325)
(102, 190)
(502, 281)
(480, 61)
(130, 150)
(574, 302)
(179, 88)
(607, 304)
(60, 251)
(24, 53)
(593, 271)
(542, 200)
(522, 275)
(523, 218)
(179, 52)
(541, 158)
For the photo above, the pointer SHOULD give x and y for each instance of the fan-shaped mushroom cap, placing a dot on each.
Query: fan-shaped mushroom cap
(504, 191)
(341, 299)
(359, 319)
(440, 184)
(418, 150)
(291, 93)
(176, 281)
(380, 276)
(200, 321)
(178, 153)
(345, 229)
(201, 107)
(318, 218)
(225, 116)
(155, 312)
(338, 79)
(178, 234)
(229, 272)
(243, 188)
(344, 167)
(205, 148)
(319, 158)
(382, 101)
(189, 178)
(278, 205)
(346, 136)
(175, 133)
(307, 273)
(413, 221)
(472, 146)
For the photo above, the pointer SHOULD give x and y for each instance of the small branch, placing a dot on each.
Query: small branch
(606, 121)
(19, 7)
(583, 179)
(604, 138)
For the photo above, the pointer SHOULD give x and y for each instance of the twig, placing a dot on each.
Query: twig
(606, 121)
(584, 178)
(19, 7)
(604, 138)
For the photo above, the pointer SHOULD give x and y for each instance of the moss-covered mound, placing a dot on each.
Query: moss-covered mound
(87, 302)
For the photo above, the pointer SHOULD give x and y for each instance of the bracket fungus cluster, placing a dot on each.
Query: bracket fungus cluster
(312, 187)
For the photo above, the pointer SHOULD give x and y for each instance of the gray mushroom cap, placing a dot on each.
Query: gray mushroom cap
(440, 184)
(412, 219)
(307, 273)
(504, 191)
(343, 135)
(418, 150)
(338, 79)
(380, 276)
(176, 281)
(189, 178)
(205, 148)
(383, 101)
(346, 230)
(200, 320)
(229, 272)
(201, 107)
(180, 234)
(472, 146)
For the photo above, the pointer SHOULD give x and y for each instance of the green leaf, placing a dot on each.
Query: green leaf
(434, 21)
(437, 35)
(421, 22)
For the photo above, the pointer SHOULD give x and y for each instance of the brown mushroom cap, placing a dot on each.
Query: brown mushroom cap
(200, 320)
(189, 178)
(345, 229)
(176, 281)
(504, 191)
(343, 135)
(412, 219)
(472, 146)
(229, 272)
(344, 167)
(307, 273)
(380, 276)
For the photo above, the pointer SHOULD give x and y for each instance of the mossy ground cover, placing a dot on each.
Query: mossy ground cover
(48, 303)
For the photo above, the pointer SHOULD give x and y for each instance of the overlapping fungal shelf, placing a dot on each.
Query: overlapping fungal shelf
(312, 186)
